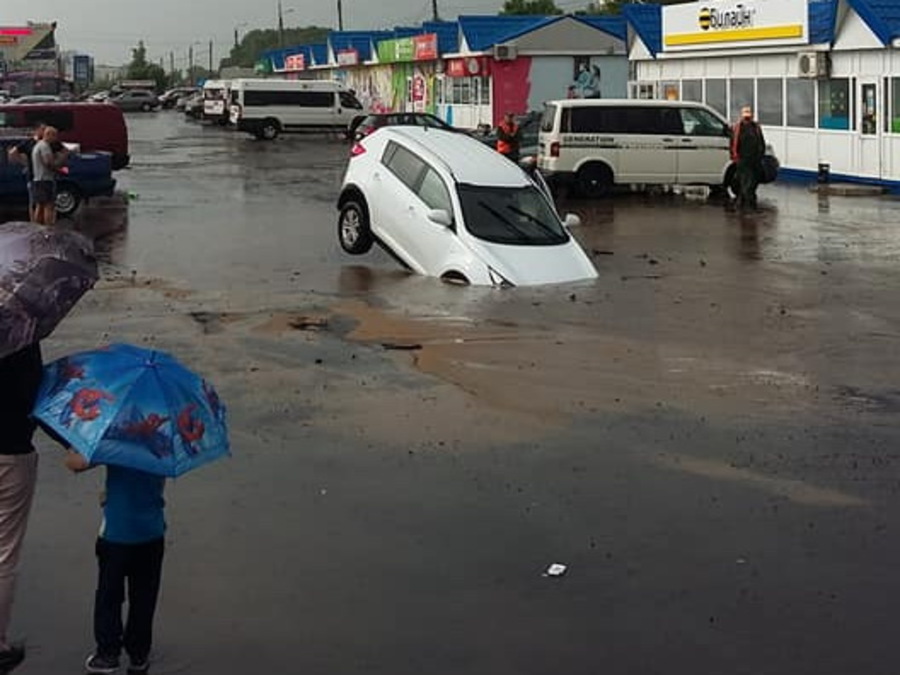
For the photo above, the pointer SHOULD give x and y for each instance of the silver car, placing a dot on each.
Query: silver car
(134, 100)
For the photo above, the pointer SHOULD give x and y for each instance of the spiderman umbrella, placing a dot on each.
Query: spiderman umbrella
(133, 407)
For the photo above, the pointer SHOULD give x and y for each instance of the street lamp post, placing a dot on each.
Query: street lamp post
(237, 41)
(340, 10)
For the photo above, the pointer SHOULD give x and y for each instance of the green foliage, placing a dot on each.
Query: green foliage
(611, 7)
(530, 7)
(259, 40)
(140, 69)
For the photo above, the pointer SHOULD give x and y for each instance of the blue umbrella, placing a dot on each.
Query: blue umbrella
(135, 408)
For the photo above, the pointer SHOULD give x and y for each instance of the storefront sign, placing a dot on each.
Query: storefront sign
(12, 32)
(734, 23)
(81, 65)
(471, 67)
(347, 57)
(8, 40)
(294, 62)
(401, 50)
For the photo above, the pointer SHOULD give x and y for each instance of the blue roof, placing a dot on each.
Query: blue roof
(822, 19)
(447, 33)
(646, 21)
(483, 32)
(406, 31)
(361, 41)
(319, 54)
(882, 16)
(611, 25)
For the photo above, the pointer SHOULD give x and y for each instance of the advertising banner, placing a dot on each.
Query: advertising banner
(471, 67)
(404, 50)
(294, 62)
(347, 57)
(721, 24)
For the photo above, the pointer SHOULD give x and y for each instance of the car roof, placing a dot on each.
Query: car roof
(467, 159)
(627, 102)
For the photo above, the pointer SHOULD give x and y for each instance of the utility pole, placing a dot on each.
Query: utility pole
(434, 12)
(210, 58)
(236, 45)
(340, 15)
(280, 26)
(172, 63)
(191, 65)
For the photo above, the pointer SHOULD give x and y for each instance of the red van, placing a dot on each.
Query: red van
(96, 127)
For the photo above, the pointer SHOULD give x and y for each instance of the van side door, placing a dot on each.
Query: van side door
(647, 144)
(348, 107)
(704, 148)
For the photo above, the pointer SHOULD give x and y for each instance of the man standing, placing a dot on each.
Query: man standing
(45, 162)
(21, 154)
(748, 145)
(509, 138)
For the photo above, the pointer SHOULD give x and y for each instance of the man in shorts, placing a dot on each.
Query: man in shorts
(45, 162)
(21, 154)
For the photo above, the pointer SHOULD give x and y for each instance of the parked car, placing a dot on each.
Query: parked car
(99, 97)
(95, 127)
(447, 206)
(216, 94)
(363, 125)
(530, 126)
(193, 106)
(85, 175)
(169, 99)
(37, 98)
(133, 100)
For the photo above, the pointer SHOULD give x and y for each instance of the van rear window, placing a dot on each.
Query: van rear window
(305, 99)
(623, 120)
(548, 118)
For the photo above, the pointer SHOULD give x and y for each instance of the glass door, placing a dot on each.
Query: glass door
(870, 129)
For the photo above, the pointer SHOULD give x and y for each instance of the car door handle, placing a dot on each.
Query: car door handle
(668, 140)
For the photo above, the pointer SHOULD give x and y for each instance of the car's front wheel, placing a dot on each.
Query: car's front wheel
(67, 199)
(354, 232)
(146, 107)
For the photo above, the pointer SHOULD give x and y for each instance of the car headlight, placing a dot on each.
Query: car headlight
(498, 280)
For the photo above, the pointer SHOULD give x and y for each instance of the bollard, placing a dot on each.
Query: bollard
(824, 173)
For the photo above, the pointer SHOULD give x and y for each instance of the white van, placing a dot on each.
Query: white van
(595, 144)
(265, 108)
(215, 101)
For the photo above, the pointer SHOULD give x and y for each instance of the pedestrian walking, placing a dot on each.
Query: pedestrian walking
(21, 154)
(509, 138)
(47, 158)
(20, 375)
(129, 554)
(748, 146)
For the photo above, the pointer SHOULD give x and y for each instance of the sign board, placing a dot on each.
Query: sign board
(293, 62)
(719, 24)
(81, 67)
(470, 67)
(347, 57)
(403, 50)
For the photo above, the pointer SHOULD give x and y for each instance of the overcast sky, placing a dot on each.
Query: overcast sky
(107, 29)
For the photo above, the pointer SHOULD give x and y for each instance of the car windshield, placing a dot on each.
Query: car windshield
(506, 215)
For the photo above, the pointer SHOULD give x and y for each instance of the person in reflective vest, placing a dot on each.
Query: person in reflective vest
(748, 145)
(509, 138)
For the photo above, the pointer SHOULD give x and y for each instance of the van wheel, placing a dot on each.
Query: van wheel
(728, 186)
(354, 232)
(67, 199)
(269, 130)
(145, 107)
(595, 180)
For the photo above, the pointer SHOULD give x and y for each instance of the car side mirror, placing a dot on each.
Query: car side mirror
(571, 220)
(440, 217)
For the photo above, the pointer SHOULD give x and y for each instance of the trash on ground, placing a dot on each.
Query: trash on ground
(556, 570)
(308, 323)
(401, 347)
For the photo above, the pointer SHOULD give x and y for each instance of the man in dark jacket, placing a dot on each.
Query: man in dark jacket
(748, 145)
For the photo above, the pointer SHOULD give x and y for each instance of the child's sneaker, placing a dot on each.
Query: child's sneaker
(104, 665)
(139, 666)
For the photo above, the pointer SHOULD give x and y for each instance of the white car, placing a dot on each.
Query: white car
(447, 206)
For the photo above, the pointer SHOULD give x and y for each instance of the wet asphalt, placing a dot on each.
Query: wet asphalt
(706, 436)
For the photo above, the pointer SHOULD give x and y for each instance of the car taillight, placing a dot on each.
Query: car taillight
(357, 150)
(554, 149)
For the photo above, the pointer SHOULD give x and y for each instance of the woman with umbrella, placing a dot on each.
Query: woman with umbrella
(42, 275)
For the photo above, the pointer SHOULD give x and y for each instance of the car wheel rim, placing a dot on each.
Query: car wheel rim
(350, 227)
(65, 202)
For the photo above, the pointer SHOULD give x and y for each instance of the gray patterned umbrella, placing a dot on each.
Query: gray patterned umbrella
(43, 273)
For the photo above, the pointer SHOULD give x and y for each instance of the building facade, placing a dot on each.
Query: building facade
(822, 75)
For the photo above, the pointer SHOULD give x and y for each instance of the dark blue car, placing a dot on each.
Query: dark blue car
(86, 175)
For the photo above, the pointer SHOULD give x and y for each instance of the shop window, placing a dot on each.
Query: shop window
(801, 103)
(770, 92)
(692, 90)
(895, 105)
(834, 104)
(716, 95)
(669, 91)
(741, 94)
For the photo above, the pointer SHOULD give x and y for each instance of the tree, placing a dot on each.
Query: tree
(615, 6)
(538, 7)
(259, 40)
(140, 69)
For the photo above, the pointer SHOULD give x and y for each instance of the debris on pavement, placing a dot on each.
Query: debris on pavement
(310, 323)
(556, 570)
(401, 347)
